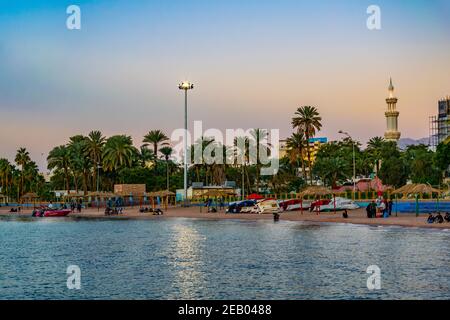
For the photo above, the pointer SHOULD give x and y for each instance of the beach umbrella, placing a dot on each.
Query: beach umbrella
(31, 197)
(164, 194)
(318, 191)
(416, 190)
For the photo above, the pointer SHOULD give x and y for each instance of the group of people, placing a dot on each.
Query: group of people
(156, 212)
(211, 208)
(380, 208)
(113, 211)
(438, 218)
(76, 205)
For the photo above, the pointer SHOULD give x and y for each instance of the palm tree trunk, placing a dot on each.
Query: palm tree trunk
(66, 173)
(309, 157)
(85, 182)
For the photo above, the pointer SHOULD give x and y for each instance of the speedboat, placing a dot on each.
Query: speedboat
(294, 205)
(241, 206)
(337, 204)
(268, 206)
(51, 212)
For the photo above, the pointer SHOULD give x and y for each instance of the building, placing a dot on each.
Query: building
(282, 149)
(440, 124)
(130, 189)
(392, 133)
(314, 146)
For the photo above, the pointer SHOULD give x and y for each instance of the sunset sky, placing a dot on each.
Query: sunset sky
(253, 62)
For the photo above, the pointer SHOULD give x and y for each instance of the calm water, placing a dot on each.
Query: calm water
(197, 259)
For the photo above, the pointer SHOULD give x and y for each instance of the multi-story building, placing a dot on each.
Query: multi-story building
(314, 146)
(440, 124)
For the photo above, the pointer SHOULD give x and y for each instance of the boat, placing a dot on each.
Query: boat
(241, 206)
(338, 204)
(294, 205)
(51, 213)
(268, 206)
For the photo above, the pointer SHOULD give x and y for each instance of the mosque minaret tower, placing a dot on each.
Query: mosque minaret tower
(392, 133)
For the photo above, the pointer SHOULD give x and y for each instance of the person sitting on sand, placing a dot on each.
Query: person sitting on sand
(447, 217)
(345, 214)
(431, 218)
(439, 218)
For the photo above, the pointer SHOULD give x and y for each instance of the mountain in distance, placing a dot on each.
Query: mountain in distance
(405, 142)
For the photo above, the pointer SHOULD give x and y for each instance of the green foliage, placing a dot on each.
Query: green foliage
(394, 172)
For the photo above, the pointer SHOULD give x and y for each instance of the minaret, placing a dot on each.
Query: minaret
(392, 133)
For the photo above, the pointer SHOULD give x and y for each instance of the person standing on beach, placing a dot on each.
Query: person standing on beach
(390, 206)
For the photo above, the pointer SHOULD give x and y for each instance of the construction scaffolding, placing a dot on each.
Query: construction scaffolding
(440, 124)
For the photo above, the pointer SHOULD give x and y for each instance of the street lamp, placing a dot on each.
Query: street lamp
(354, 160)
(186, 86)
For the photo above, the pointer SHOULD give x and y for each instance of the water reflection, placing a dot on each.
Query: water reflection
(186, 259)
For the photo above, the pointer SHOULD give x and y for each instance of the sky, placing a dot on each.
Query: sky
(253, 63)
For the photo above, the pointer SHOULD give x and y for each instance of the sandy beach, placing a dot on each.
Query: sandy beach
(355, 217)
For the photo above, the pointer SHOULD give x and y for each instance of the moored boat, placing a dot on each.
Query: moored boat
(45, 212)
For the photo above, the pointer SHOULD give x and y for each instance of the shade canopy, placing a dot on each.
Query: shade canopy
(316, 191)
(163, 193)
(417, 189)
(102, 194)
(30, 196)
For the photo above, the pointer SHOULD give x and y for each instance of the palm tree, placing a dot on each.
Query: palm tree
(59, 158)
(332, 169)
(94, 150)
(118, 153)
(146, 156)
(5, 174)
(79, 163)
(199, 148)
(307, 120)
(242, 152)
(375, 148)
(31, 175)
(22, 158)
(296, 146)
(155, 137)
(258, 137)
(167, 152)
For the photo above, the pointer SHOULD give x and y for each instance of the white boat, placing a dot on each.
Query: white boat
(341, 204)
(266, 207)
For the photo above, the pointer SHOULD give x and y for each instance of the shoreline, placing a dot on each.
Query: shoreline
(356, 217)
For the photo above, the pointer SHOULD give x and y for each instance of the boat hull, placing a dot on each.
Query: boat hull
(56, 213)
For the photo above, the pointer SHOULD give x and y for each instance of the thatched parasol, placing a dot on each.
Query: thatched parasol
(416, 189)
(30, 196)
(316, 191)
(102, 194)
(163, 193)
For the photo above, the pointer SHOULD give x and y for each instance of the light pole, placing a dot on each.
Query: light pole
(354, 160)
(186, 86)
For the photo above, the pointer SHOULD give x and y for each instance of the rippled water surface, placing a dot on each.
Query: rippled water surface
(199, 259)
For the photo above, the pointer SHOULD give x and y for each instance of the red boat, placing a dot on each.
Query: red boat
(56, 213)
(51, 213)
